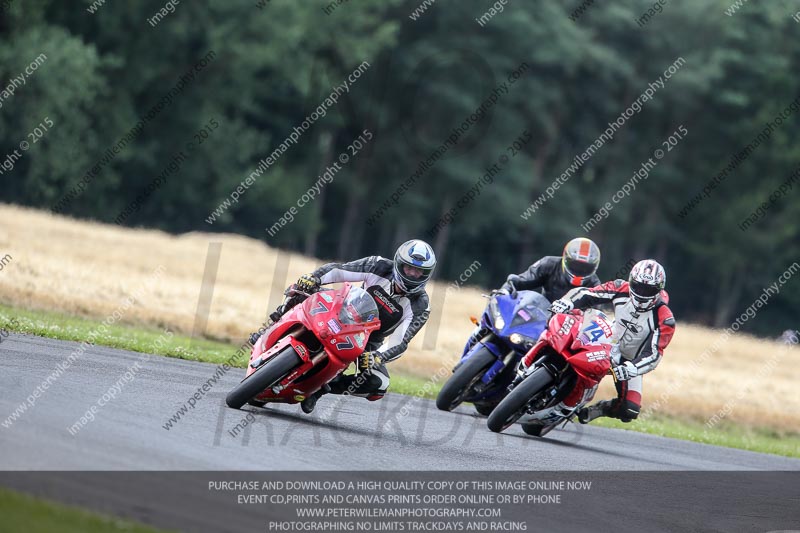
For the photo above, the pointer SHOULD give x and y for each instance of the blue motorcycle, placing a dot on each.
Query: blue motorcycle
(512, 324)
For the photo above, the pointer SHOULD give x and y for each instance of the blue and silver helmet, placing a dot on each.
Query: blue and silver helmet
(414, 262)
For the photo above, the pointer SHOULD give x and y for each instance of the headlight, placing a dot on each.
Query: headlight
(499, 323)
(521, 340)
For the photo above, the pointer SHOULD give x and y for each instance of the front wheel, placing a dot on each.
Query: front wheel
(463, 379)
(516, 403)
(265, 377)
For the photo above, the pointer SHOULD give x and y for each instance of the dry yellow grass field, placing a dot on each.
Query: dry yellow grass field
(87, 269)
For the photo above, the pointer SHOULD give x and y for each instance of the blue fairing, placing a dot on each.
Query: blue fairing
(525, 315)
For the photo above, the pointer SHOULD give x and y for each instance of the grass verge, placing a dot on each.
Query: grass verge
(149, 340)
(21, 512)
(727, 434)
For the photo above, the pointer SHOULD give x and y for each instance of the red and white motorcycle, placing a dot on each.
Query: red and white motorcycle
(575, 346)
(308, 347)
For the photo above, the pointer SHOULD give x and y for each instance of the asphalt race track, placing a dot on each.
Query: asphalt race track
(402, 433)
(124, 462)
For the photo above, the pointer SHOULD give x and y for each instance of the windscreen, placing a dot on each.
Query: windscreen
(358, 307)
(532, 307)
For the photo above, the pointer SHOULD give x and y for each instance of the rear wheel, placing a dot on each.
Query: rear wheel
(265, 377)
(516, 403)
(463, 379)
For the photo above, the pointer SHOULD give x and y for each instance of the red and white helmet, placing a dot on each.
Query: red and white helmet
(646, 281)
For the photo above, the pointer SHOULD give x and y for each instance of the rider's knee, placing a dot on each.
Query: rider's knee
(376, 383)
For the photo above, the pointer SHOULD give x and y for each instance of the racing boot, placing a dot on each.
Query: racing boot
(310, 403)
(587, 414)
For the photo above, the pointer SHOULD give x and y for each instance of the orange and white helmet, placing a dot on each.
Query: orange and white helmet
(580, 259)
(646, 281)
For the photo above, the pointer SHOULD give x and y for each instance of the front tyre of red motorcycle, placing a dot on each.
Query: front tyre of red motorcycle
(265, 377)
(516, 403)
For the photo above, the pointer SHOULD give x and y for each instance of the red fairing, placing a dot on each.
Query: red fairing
(590, 359)
(341, 343)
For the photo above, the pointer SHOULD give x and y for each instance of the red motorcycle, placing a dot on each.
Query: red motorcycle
(308, 347)
(575, 346)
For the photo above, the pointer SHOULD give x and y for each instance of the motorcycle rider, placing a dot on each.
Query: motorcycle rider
(643, 327)
(554, 275)
(404, 279)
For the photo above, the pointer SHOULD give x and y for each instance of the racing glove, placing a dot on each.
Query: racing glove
(307, 283)
(367, 361)
(561, 306)
(625, 371)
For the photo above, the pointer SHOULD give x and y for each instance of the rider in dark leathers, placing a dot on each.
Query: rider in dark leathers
(403, 279)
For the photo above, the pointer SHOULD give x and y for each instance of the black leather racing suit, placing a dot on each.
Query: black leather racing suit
(376, 270)
(546, 274)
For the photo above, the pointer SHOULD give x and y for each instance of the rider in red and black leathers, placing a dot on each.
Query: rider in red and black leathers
(643, 327)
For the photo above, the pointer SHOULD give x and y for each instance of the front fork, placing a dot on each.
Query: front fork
(526, 366)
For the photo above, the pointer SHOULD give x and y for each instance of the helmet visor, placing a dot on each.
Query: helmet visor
(643, 290)
(414, 273)
(579, 268)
